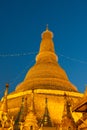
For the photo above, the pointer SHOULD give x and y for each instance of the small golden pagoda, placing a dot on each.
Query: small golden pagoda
(6, 121)
(68, 122)
(49, 82)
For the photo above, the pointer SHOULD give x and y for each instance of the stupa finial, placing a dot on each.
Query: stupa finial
(6, 91)
(47, 27)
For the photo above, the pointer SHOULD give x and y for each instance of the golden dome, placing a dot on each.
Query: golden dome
(46, 73)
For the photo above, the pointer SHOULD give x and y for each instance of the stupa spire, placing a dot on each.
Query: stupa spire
(67, 118)
(46, 121)
(47, 51)
(31, 122)
(47, 27)
(4, 106)
(22, 112)
(5, 120)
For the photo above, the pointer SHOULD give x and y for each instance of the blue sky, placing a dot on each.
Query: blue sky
(21, 25)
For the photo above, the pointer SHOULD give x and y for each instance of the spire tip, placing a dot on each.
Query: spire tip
(7, 85)
(47, 27)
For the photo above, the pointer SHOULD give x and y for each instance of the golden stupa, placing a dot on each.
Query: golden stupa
(48, 80)
(46, 73)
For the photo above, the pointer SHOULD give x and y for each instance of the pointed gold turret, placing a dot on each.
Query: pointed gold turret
(67, 118)
(46, 121)
(46, 73)
(4, 115)
(4, 106)
(30, 120)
